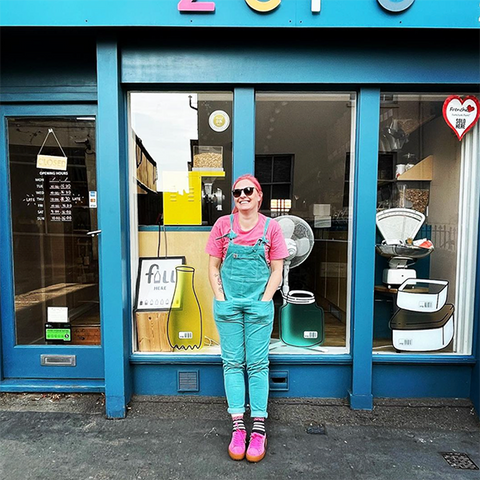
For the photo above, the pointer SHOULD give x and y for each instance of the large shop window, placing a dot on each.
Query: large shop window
(302, 159)
(427, 227)
(181, 175)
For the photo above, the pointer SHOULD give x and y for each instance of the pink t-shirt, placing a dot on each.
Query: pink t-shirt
(217, 244)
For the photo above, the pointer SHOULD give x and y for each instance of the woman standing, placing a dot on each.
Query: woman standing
(245, 269)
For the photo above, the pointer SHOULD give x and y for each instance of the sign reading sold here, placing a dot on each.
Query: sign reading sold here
(461, 114)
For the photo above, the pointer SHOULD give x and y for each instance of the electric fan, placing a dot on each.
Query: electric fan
(299, 239)
(301, 319)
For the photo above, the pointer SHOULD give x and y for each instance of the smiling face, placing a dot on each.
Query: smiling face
(245, 203)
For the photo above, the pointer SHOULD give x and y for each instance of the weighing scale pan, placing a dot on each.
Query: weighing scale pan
(409, 251)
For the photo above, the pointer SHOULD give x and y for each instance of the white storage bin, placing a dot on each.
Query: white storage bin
(422, 332)
(420, 295)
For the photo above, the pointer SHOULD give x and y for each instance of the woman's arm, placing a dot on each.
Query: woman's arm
(276, 268)
(214, 277)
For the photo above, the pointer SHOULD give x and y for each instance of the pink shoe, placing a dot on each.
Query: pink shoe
(237, 446)
(257, 447)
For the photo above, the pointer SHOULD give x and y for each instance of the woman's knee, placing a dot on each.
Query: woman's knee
(232, 366)
(257, 366)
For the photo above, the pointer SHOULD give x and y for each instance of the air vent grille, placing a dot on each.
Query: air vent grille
(188, 381)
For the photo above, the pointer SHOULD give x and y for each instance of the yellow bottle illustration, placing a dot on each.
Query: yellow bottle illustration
(184, 324)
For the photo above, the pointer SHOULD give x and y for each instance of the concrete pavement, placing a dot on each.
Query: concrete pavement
(66, 436)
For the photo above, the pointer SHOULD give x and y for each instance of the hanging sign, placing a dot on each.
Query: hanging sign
(51, 162)
(461, 114)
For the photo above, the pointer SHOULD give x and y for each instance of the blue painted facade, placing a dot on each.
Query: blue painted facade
(236, 13)
(80, 66)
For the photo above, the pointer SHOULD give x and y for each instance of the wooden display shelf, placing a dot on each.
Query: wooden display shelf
(421, 172)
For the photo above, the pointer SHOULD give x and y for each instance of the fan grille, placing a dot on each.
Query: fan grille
(301, 231)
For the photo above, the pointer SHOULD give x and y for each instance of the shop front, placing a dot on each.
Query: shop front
(118, 151)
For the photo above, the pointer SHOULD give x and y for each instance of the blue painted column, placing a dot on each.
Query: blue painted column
(475, 385)
(363, 259)
(112, 213)
(243, 131)
(6, 264)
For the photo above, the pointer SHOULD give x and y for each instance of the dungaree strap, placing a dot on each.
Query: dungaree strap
(266, 228)
(231, 234)
(263, 240)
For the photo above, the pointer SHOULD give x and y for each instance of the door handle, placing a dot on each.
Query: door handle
(94, 233)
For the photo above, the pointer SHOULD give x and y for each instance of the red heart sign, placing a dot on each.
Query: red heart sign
(461, 114)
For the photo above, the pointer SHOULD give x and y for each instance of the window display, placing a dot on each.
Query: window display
(183, 142)
(426, 200)
(302, 160)
(181, 167)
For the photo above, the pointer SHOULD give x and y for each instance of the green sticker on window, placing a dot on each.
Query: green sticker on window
(58, 334)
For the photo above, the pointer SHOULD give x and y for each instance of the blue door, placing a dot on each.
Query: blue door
(51, 325)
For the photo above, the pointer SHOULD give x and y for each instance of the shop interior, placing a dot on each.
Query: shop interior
(419, 169)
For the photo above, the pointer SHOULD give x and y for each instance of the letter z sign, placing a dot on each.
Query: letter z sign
(193, 6)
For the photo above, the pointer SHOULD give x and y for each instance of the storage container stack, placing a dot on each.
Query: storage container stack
(424, 321)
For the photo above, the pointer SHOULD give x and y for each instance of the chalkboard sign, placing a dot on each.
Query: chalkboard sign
(156, 283)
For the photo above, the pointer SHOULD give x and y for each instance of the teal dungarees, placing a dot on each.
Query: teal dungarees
(245, 324)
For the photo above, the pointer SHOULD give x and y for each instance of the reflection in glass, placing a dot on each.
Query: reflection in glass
(185, 141)
(55, 262)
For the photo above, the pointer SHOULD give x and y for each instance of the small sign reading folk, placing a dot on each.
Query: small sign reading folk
(461, 114)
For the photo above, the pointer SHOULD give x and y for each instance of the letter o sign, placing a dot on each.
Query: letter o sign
(267, 6)
(396, 6)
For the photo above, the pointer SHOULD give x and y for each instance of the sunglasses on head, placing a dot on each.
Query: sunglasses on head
(246, 190)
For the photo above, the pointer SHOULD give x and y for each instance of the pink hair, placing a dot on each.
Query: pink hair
(256, 184)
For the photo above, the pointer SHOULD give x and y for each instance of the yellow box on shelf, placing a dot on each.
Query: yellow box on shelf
(186, 208)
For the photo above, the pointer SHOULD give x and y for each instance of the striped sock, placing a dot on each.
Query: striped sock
(259, 425)
(238, 422)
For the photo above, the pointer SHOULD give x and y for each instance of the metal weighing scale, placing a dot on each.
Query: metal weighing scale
(399, 226)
